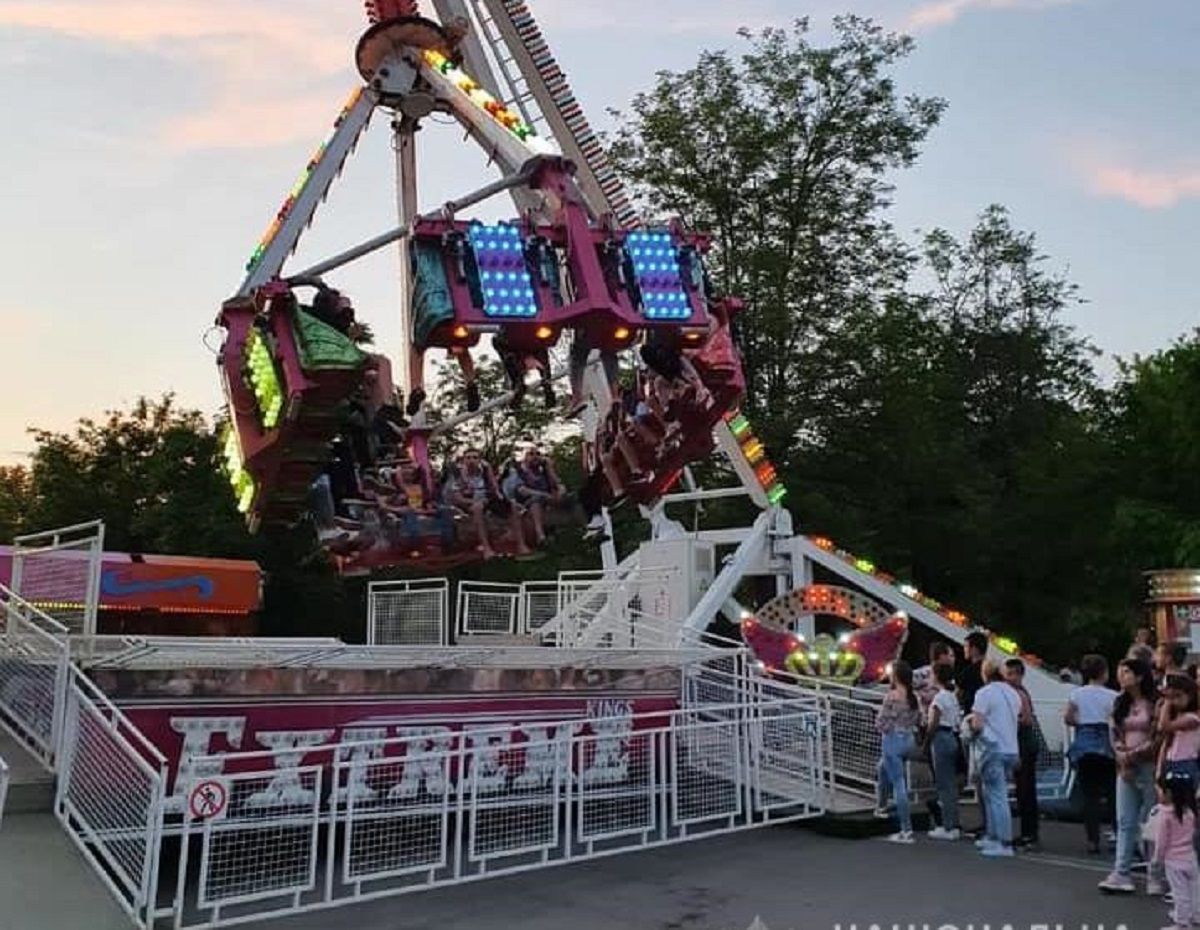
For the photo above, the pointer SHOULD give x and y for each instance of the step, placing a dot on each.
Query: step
(31, 786)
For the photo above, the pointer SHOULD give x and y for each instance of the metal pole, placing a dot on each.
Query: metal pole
(404, 144)
(401, 232)
(358, 251)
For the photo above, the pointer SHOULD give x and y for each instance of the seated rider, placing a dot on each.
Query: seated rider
(471, 487)
(532, 484)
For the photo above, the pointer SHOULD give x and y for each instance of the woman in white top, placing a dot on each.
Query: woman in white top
(1088, 710)
(944, 718)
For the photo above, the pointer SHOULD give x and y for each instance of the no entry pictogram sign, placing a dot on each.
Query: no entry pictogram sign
(208, 799)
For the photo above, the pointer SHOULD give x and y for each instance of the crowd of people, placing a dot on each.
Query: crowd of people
(1135, 752)
(396, 504)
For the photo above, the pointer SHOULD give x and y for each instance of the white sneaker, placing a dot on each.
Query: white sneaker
(996, 851)
(941, 833)
(984, 841)
(880, 813)
(904, 836)
(1154, 886)
(1116, 883)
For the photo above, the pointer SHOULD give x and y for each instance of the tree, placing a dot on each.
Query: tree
(498, 431)
(15, 491)
(783, 154)
(151, 473)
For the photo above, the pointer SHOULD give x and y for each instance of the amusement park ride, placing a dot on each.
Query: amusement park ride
(577, 262)
(610, 719)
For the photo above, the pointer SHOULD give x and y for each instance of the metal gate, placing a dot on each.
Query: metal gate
(111, 789)
(408, 613)
(59, 571)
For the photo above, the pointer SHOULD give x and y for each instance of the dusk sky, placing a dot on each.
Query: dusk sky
(149, 142)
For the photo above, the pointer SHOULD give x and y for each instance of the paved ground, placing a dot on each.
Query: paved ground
(788, 877)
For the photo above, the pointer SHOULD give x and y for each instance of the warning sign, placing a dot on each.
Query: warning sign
(208, 800)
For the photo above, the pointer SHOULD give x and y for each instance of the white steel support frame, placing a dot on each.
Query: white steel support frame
(1042, 686)
(327, 168)
(78, 550)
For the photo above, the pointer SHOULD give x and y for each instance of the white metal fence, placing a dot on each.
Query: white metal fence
(363, 820)
(111, 789)
(33, 675)
(486, 607)
(4, 779)
(59, 571)
(408, 613)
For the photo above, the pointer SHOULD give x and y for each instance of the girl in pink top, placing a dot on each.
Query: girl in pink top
(1175, 822)
(1133, 741)
(1179, 722)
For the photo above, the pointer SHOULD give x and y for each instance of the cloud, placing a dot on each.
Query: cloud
(270, 71)
(936, 13)
(1148, 188)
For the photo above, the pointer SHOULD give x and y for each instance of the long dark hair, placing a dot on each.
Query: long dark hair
(1182, 792)
(1187, 685)
(902, 674)
(1146, 689)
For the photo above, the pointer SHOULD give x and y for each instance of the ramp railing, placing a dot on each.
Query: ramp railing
(111, 789)
(59, 571)
(33, 675)
(342, 823)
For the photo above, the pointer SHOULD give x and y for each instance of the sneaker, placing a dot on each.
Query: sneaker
(996, 851)
(904, 836)
(1155, 887)
(880, 813)
(594, 528)
(983, 842)
(941, 833)
(1168, 898)
(1116, 883)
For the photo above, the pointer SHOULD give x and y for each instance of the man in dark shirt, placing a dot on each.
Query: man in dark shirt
(970, 678)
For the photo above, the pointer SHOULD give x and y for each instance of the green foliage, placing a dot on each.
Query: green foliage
(784, 154)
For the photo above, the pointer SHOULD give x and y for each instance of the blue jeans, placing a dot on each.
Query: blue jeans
(945, 774)
(897, 747)
(995, 769)
(1135, 797)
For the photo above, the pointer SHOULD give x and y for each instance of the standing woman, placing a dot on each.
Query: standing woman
(944, 718)
(1088, 710)
(1133, 735)
(897, 722)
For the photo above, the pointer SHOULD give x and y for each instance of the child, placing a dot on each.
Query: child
(1175, 822)
(1179, 722)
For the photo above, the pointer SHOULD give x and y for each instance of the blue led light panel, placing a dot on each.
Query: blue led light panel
(504, 278)
(656, 266)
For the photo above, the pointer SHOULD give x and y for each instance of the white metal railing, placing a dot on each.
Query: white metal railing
(488, 607)
(59, 571)
(33, 675)
(4, 779)
(410, 613)
(539, 604)
(356, 821)
(110, 797)
(619, 608)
